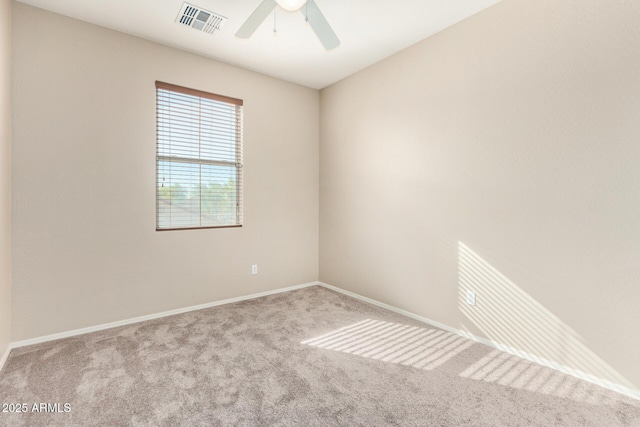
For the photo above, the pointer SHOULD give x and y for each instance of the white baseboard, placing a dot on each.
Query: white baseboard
(550, 364)
(118, 323)
(5, 356)
(635, 394)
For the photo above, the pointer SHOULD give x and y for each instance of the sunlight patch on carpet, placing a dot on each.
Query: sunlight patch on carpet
(508, 370)
(421, 348)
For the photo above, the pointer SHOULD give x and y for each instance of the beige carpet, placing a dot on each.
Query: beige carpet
(310, 357)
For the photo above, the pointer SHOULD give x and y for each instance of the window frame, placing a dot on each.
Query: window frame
(238, 164)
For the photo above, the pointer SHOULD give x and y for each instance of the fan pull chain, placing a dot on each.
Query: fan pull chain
(306, 12)
(275, 23)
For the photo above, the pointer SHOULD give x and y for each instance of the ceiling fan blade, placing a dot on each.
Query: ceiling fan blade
(257, 17)
(320, 25)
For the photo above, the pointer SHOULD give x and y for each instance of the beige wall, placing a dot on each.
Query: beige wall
(85, 248)
(501, 156)
(5, 175)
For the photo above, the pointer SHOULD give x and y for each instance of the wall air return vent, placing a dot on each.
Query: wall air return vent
(199, 19)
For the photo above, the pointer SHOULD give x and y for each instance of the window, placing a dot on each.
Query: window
(198, 159)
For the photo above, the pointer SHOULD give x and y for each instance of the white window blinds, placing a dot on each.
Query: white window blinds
(198, 159)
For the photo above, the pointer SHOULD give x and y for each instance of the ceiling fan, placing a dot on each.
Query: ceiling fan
(309, 9)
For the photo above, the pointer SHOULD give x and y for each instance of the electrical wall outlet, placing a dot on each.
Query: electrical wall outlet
(471, 298)
(254, 269)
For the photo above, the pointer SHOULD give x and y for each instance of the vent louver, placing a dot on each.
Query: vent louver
(199, 19)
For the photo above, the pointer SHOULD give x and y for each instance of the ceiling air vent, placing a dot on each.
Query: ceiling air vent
(199, 19)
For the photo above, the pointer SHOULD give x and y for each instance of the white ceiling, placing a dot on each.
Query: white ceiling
(370, 30)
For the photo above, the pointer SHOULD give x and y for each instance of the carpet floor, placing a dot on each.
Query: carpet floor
(308, 357)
